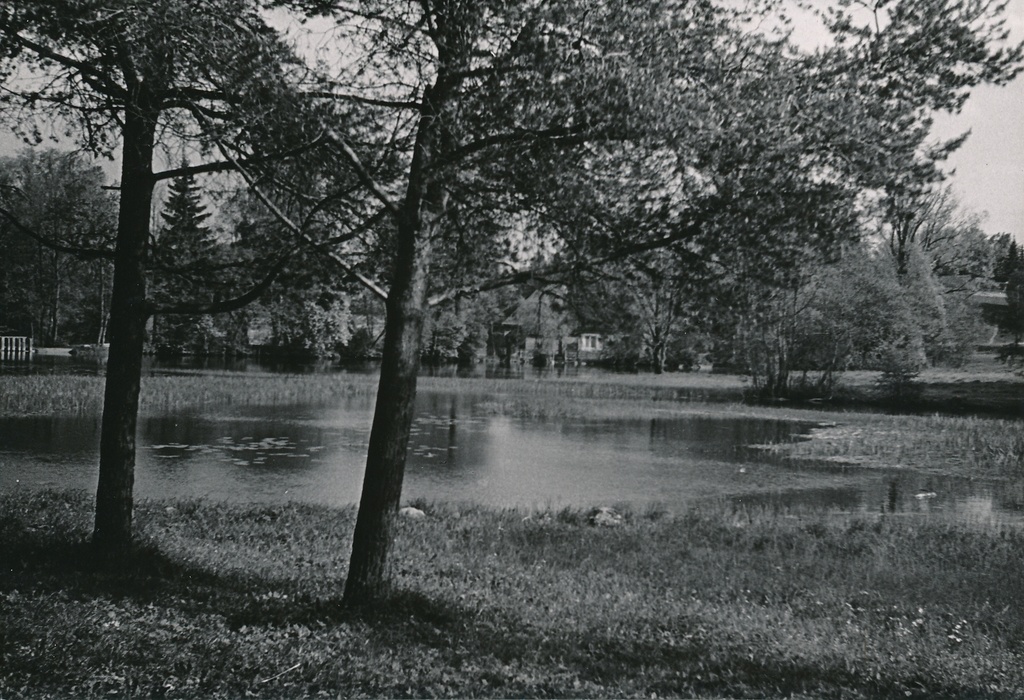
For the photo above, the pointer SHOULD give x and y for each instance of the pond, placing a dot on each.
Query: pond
(462, 451)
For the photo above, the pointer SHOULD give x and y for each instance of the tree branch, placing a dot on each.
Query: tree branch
(575, 134)
(364, 176)
(77, 251)
(217, 307)
(228, 165)
(285, 220)
(562, 269)
(372, 101)
(110, 88)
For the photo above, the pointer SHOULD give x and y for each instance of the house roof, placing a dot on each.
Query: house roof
(990, 298)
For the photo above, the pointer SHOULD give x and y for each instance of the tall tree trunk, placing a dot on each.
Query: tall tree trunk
(392, 420)
(55, 301)
(101, 336)
(368, 578)
(112, 536)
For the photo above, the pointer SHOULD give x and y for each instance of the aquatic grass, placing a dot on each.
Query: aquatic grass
(968, 446)
(226, 601)
(163, 392)
(50, 394)
(71, 394)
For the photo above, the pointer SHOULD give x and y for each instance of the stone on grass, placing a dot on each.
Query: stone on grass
(411, 512)
(605, 517)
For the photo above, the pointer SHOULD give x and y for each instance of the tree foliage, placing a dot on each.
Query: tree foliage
(56, 223)
(501, 142)
(134, 75)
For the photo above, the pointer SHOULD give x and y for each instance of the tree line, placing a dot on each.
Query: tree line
(437, 151)
(883, 300)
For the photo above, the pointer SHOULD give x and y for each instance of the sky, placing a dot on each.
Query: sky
(988, 170)
(990, 166)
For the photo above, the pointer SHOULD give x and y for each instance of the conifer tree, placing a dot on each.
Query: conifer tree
(1008, 264)
(183, 256)
(185, 237)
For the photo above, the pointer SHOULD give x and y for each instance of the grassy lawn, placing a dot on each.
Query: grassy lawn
(233, 601)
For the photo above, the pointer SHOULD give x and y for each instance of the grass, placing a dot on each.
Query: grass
(965, 446)
(71, 394)
(232, 601)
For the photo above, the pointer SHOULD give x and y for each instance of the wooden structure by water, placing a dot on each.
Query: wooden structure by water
(15, 347)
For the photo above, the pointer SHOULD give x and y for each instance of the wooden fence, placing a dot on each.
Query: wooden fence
(15, 347)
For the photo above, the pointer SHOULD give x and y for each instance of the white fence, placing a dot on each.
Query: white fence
(15, 347)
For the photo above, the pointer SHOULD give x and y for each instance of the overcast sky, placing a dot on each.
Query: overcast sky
(989, 167)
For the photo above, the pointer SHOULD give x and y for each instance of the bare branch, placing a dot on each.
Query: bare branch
(217, 307)
(371, 101)
(559, 270)
(227, 165)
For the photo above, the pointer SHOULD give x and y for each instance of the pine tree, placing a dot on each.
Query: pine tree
(182, 255)
(1012, 262)
(185, 239)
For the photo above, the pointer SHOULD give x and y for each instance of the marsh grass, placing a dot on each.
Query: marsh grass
(49, 394)
(232, 601)
(966, 446)
(71, 394)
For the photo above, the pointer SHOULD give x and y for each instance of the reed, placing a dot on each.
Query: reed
(71, 394)
(969, 446)
(49, 394)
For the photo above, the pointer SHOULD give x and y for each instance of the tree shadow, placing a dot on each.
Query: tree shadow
(45, 560)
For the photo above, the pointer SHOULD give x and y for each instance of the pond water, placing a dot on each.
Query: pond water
(461, 452)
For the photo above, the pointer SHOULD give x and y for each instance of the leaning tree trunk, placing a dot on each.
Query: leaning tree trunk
(418, 222)
(392, 420)
(112, 536)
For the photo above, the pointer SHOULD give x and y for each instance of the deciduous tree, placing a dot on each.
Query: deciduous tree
(129, 76)
(54, 215)
(505, 141)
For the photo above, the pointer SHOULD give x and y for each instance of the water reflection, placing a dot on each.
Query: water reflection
(459, 452)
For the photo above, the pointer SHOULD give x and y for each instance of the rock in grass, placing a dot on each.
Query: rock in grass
(411, 513)
(605, 517)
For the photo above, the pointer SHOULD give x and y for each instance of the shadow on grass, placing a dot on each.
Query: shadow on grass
(49, 560)
(430, 631)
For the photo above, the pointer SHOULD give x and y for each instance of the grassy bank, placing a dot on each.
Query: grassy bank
(980, 388)
(949, 445)
(244, 601)
(55, 394)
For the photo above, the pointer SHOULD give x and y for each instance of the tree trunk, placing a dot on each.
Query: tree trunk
(101, 336)
(112, 536)
(368, 578)
(389, 437)
(55, 302)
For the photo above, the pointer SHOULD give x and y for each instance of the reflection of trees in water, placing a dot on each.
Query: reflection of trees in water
(726, 437)
(49, 434)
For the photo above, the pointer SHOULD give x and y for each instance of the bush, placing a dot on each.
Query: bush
(900, 367)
